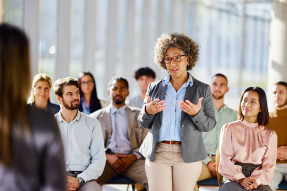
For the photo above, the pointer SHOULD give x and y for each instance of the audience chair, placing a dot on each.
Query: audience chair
(120, 179)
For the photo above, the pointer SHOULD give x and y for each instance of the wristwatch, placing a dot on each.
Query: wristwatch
(81, 181)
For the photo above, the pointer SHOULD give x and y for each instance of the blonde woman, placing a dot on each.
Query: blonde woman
(40, 94)
(31, 150)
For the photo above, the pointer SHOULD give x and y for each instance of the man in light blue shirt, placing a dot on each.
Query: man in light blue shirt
(223, 114)
(123, 136)
(82, 139)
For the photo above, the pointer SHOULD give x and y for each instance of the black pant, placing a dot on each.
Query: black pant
(247, 169)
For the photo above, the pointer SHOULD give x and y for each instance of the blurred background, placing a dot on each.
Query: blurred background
(243, 39)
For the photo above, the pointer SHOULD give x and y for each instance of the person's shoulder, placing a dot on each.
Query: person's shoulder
(200, 86)
(104, 103)
(133, 109)
(99, 112)
(270, 132)
(155, 83)
(91, 121)
(41, 119)
(233, 124)
(199, 83)
(54, 108)
(229, 110)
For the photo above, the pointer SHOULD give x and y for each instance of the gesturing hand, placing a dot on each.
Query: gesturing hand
(153, 107)
(190, 108)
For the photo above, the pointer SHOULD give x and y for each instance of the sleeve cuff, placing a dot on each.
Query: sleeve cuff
(258, 181)
(207, 160)
(138, 155)
(238, 176)
(198, 116)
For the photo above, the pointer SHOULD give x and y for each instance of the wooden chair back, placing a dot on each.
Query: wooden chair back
(217, 159)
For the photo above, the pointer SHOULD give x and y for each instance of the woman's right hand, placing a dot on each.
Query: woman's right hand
(153, 107)
(248, 183)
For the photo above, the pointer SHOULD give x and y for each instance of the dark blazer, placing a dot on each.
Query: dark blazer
(136, 132)
(38, 157)
(53, 108)
(191, 127)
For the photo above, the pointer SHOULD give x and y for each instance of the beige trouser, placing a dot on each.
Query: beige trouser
(205, 174)
(169, 172)
(135, 172)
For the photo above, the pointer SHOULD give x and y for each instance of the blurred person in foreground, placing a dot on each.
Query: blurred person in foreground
(176, 110)
(40, 94)
(278, 122)
(247, 147)
(31, 151)
(144, 76)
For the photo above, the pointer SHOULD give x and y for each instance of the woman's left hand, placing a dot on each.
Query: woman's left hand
(254, 184)
(190, 108)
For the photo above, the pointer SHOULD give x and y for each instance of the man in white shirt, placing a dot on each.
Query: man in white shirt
(122, 135)
(223, 114)
(82, 139)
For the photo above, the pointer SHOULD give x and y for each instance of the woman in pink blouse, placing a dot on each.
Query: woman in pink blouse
(247, 147)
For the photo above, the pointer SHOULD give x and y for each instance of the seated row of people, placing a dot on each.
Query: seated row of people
(223, 115)
(235, 153)
(176, 110)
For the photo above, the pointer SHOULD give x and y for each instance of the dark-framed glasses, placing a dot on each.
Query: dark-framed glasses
(87, 82)
(177, 58)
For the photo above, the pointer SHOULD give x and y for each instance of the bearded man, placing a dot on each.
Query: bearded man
(82, 138)
(223, 114)
(123, 136)
(278, 122)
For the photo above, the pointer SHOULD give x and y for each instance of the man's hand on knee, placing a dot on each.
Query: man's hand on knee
(72, 183)
(115, 162)
(212, 167)
(127, 159)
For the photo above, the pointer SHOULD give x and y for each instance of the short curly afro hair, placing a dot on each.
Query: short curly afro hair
(180, 41)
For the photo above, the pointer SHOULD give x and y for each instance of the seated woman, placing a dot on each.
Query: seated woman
(88, 92)
(247, 147)
(40, 94)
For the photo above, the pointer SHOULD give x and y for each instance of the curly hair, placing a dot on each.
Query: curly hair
(180, 41)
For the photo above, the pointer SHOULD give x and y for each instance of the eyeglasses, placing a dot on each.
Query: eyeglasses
(168, 60)
(87, 82)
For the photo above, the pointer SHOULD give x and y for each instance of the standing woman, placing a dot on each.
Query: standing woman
(88, 92)
(31, 151)
(176, 110)
(248, 149)
(40, 94)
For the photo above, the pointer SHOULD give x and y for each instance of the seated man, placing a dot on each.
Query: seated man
(223, 114)
(82, 138)
(278, 122)
(144, 76)
(122, 136)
